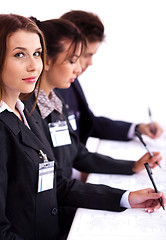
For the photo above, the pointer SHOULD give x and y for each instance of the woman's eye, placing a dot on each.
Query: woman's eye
(37, 54)
(73, 60)
(19, 55)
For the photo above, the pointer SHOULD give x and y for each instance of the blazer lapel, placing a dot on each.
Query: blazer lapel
(39, 135)
(28, 136)
(35, 122)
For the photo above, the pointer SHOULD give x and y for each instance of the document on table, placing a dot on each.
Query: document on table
(131, 182)
(133, 150)
(130, 224)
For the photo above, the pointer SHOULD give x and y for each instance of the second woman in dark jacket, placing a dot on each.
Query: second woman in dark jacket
(64, 46)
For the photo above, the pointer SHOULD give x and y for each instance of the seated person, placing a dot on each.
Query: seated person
(50, 115)
(84, 122)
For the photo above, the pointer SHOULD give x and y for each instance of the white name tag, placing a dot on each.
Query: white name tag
(59, 133)
(72, 121)
(46, 176)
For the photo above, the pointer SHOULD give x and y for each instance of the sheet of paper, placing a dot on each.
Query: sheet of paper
(130, 224)
(131, 182)
(133, 223)
(133, 150)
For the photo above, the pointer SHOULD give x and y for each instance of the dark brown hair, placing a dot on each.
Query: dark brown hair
(10, 23)
(89, 24)
(58, 31)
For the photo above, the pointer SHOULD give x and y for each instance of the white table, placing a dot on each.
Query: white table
(132, 223)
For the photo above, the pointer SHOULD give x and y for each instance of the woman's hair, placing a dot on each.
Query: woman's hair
(89, 24)
(11, 23)
(56, 33)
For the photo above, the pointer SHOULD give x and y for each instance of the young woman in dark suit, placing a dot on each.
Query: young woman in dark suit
(64, 47)
(28, 190)
(27, 210)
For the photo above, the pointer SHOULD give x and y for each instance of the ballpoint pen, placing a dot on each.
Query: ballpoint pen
(137, 133)
(152, 124)
(149, 171)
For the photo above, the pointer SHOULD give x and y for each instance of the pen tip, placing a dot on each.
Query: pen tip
(158, 164)
(149, 111)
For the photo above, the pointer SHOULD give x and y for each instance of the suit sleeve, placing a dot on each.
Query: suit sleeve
(86, 161)
(106, 128)
(73, 193)
(89, 162)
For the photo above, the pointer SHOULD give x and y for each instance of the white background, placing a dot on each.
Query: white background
(129, 70)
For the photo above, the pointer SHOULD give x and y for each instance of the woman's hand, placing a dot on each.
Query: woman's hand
(146, 129)
(146, 198)
(153, 161)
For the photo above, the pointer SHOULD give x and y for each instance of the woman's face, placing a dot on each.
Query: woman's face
(60, 74)
(23, 63)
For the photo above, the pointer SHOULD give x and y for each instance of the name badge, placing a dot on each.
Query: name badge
(59, 133)
(72, 121)
(46, 176)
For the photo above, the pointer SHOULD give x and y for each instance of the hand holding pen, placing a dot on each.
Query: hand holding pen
(144, 144)
(146, 129)
(149, 171)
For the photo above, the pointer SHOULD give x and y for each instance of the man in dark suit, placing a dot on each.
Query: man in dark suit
(84, 122)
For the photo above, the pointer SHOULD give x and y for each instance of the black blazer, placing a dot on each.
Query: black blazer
(24, 213)
(76, 155)
(88, 124)
(74, 193)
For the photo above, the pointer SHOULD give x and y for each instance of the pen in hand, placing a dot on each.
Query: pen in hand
(149, 171)
(153, 130)
(137, 133)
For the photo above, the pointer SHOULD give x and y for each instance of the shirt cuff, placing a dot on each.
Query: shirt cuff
(131, 132)
(124, 202)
